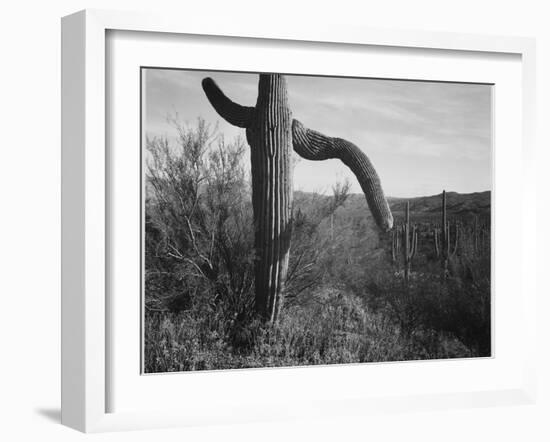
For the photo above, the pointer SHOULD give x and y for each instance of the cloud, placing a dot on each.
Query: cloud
(421, 136)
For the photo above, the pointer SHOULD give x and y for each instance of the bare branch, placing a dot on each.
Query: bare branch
(193, 240)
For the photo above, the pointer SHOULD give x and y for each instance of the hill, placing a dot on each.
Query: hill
(426, 209)
(461, 206)
(355, 230)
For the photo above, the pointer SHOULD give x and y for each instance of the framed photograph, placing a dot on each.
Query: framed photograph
(270, 223)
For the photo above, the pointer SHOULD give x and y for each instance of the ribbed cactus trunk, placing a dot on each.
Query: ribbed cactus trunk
(270, 139)
(272, 134)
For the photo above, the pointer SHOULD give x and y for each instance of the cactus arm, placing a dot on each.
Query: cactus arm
(406, 234)
(315, 146)
(230, 111)
(399, 241)
(475, 235)
(444, 241)
(456, 239)
(449, 243)
(444, 226)
(406, 243)
(414, 241)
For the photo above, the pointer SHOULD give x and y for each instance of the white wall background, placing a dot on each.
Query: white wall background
(30, 219)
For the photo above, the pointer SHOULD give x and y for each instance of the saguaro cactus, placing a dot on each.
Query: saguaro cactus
(480, 235)
(395, 243)
(410, 243)
(272, 133)
(405, 240)
(444, 248)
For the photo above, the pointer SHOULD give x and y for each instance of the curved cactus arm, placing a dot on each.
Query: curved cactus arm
(230, 111)
(315, 146)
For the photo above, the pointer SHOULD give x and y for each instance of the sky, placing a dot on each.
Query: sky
(422, 137)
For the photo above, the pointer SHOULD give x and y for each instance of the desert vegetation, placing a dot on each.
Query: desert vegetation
(352, 292)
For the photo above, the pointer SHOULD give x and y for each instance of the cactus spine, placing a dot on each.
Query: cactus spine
(444, 247)
(272, 133)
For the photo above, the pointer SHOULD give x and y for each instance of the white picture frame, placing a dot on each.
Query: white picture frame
(85, 199)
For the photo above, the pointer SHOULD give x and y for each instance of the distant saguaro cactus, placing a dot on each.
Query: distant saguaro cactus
(272, 133)
(410, 243)
(405, 239)
(444, 248)
(480, 234)
(395, 243)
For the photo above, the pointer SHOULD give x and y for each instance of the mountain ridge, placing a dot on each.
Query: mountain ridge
(460, 206)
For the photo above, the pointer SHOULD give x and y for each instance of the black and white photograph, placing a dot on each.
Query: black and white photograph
(295, 220)
(284, 221)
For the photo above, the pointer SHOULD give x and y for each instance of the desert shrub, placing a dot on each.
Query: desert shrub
(182, 341)
(466, 302)
(311, 242)
(331, 328)
(199, 249)
(457, 306)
